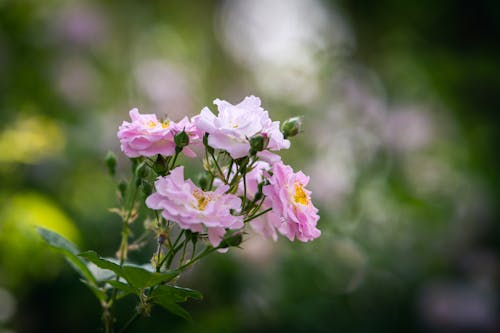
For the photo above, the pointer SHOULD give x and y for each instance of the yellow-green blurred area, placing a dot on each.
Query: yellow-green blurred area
(400, 102)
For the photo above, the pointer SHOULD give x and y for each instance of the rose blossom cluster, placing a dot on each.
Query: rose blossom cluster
(243, 183)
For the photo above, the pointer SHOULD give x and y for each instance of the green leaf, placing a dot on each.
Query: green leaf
(136, 276)
(100, 274)
(174, 308)
(168, 297)
(93, 257)
(177, 294)
(142, 278)
(123, 287)
(69, 251)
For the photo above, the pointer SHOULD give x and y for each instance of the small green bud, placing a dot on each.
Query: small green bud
(122, 188)
(241, 161)
(256, 144)
(110, 161)
(135, 162)
(233, 240)
(160, 165)
(141, 171)
(147, 189)
(194, 238)
(181, 139)
(291, 127)
(259, 193)
(203, 181)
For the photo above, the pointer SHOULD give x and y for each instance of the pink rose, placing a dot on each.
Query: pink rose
(147, 136)
(232, 128)
(193, 208)
(293, 213)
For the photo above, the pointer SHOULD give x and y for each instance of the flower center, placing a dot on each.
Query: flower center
(165, 123)
(151, 124)
(202, 198)
(300, 195)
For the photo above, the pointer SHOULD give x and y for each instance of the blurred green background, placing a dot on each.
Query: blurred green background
(401, 105)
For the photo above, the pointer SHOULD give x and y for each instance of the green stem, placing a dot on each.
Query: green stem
(230, 169)
(236, 177)
(223, 178)
(173, 162)
(122, 254)
(158, 254)
(204, 253)
(133, 319)
(244, 192)
(183, 253)
(193, 252)
(108, 319)
(257, 215)
(212, 177)
(174, 250)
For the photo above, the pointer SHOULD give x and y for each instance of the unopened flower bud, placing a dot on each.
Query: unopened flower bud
(291, 127)
(259, 193)
(194, 238)
(122, 188)
(110, 161)
(147, 189)
(160, 165)
(141, 171)
(135, 162)
(233, 240)
(256, 144)
(181, 139)
(203, 181)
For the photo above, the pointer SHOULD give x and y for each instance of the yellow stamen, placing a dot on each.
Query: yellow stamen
(300, 195)
(165, 123)
(202, 199)
(151, 124)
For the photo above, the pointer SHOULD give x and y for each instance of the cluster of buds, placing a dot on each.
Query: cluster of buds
(244, 182)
